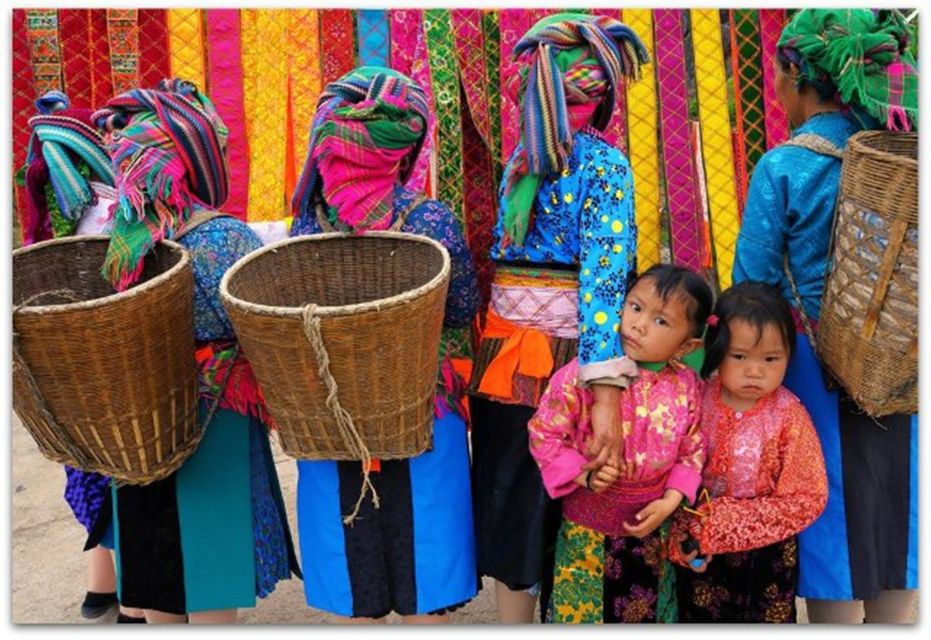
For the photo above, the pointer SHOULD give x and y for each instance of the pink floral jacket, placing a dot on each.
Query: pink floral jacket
(663, 447)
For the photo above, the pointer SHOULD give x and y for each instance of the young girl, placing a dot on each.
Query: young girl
(764, 481)
(609, 561)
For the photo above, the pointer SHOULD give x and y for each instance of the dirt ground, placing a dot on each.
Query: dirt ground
(48, 577)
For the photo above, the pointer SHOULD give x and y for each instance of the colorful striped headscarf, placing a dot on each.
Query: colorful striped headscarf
(864, 54)
(366, 134)
(574, 64)
(168, 148)
(65, 151)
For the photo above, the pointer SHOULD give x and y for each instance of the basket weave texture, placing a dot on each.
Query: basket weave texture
(378, 300)
(106, 381)
(868, 333)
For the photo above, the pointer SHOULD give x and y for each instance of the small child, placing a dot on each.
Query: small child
(610, 562)
(764, 481)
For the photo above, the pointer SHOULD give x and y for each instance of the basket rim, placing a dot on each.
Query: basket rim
(340, 310)
(113, 297)
(860, 143)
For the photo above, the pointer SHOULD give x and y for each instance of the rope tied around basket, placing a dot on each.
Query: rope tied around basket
(344, 423)
(19, 363)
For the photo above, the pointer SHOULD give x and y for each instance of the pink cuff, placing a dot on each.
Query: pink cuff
(560, 474)
(684, 479)
(618, 372)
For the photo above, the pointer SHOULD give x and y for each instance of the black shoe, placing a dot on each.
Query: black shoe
(122, 618)
(97, 604)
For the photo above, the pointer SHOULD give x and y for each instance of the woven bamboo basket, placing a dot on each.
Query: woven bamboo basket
(868, 334)
(105, 381)
(377, 301)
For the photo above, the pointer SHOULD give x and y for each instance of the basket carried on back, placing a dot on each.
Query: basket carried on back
(868, 333)
(344, 321)
(105, 381)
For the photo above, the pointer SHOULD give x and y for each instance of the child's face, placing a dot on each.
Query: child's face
(755, 364)
(653, 329)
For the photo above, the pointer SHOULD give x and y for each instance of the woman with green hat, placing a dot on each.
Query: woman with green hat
(838, 72)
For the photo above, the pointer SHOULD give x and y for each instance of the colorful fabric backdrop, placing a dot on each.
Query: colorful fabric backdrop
(693, 127)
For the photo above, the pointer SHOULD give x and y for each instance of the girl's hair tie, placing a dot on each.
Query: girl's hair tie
(713, 320)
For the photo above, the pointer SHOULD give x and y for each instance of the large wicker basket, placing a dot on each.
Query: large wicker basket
(377, 301)
(868, 334)
(105, 381)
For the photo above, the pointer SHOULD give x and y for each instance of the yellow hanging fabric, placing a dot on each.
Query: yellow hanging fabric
(717, 143)
(305, 77)
(186, 44)
(644, 152)
(265, 80)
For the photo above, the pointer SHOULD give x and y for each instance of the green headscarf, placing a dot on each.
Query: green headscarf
(864, 54)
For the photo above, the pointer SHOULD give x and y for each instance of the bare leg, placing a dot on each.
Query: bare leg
(101, 578)
(426, 619)
(514, 607)
(217, 616)
(835, 611)
(160, 617)
(132, 612)
(893, 607)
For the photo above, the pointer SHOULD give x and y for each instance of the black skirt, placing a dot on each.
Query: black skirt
(516, 522)
(749, 586)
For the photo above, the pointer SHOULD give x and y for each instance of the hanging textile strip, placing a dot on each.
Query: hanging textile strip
(748, 86)
(644, 152)
(513, 23)
(441, 49)
(409, 56)
(247, 36)
(685, 230)
(701, 192)
(23, 105)
(470, 47)
(42, 27)
(267, 113)
(154, 47)
(711, 81)
(186, 37)
(480, 201)
(224, 67)
(305, 82)
(85, 56)
(339, 53)
(738, 135)
(405, 25)
(616, 133)
(777, 122)
(374, 45)
(492, 42)
(123, 35)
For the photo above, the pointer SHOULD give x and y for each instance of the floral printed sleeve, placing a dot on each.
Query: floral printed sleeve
(552, 431)
(607, 253)
(685, 475)
(739, 524)
(434, 220)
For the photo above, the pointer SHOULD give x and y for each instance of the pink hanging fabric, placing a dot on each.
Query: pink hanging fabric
(224, 63)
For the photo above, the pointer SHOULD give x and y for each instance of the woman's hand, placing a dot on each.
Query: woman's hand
(652, 516)
(606, 444)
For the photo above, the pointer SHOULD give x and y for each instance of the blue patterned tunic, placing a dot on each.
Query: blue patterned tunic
(584, 218)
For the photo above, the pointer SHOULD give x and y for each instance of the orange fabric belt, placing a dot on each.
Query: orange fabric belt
(526, 351)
